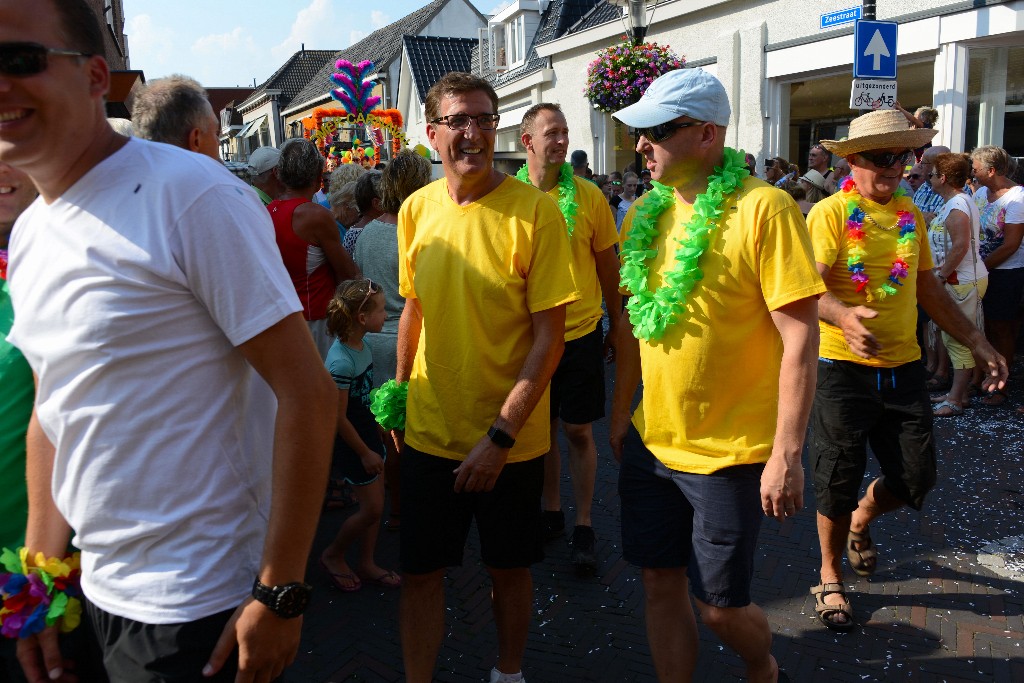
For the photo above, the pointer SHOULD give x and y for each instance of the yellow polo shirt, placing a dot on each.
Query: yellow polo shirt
(479, 272)
(896, 324)
(711, 384)
(594, 232)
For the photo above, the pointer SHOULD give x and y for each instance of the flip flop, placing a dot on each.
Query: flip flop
(388, 579)
(865, 560)
(336, 578)
(825, 611)
(953, 409)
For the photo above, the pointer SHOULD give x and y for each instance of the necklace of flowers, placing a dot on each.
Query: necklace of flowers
(566, 193)
(855, 216)
(652, 313)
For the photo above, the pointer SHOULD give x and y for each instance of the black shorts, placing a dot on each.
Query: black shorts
(708, 523)
(577, 387)
(886, 408)
(436, 520)
(134, 652)
(346, 465)
(1002, 300)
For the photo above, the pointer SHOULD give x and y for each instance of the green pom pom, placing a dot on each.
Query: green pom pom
(388, 404)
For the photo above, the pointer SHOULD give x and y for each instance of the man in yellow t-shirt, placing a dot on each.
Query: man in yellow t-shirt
(577, 387)
(872, 252)
(483, 264)
(713, 445)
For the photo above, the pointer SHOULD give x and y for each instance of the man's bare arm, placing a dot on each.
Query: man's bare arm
(284, 355)
(627, 379)
(608, 276)
(480, 470)
(782, 482)
(848, 319)
(316, 225)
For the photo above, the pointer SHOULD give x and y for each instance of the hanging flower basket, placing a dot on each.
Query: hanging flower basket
(621, 73)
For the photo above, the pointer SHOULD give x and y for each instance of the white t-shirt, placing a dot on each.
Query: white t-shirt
(131, 292)
(971, 267)
(1007, 209)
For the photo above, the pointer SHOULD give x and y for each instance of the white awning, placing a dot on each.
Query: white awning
(252, 127)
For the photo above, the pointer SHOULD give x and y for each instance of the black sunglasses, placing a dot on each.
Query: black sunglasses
(29, 59)
(915, 176)
(888, 159)
(662, 131)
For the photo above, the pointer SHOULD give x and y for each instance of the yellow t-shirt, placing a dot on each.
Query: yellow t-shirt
(594, 232)
(711, 384)
(479, 272)
(896, 324)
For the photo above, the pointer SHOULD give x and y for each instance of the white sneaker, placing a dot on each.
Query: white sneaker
(499, 677)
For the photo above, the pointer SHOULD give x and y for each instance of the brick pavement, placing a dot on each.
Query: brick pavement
(931, 612)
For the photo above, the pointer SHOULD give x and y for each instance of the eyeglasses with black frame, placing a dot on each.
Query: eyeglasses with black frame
(888, 159)
(461, 121)
(663, 131)
(29, 59)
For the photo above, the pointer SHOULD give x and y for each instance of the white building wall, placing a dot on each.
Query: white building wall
(730, 37)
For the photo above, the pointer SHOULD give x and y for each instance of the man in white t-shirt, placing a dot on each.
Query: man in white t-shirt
(182, 412)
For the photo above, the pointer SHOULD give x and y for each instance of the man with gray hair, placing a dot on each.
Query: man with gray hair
(262, 169)
(177, 111)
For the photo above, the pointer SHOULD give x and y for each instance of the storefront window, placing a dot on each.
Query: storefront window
(995, 98)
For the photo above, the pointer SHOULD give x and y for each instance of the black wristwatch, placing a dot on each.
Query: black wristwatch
(501, 438)
(287, 601)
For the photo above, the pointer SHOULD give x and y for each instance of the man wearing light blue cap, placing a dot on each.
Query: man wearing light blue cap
(723, 286)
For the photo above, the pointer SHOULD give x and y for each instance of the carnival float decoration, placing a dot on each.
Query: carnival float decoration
(328, 125)
(621, 73)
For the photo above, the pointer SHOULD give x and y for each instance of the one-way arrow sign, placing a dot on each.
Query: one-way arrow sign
(874, 49)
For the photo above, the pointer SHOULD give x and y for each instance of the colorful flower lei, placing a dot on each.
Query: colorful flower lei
(652, 313)
(37, 596)
(621, 73)
(388, 404)
(855, 232)
(3, 264)
(566, 193)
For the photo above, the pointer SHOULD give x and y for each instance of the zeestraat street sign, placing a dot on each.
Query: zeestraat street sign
(869, 93)
(843, 16)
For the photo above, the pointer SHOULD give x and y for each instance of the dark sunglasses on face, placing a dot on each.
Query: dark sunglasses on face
(915, 176)
(887, 159)
(29, 59)
(656, 134)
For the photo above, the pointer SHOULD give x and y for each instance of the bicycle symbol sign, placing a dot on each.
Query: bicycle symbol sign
(869, 93)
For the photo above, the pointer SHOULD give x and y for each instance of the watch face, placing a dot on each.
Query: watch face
(292, 599)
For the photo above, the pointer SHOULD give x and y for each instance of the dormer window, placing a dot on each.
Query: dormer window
(515, 36)
(511, 33)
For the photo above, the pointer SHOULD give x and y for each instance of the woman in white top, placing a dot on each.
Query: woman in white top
(954, 236)
(1001, 203)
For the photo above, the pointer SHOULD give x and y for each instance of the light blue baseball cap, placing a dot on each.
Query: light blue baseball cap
(682, 92)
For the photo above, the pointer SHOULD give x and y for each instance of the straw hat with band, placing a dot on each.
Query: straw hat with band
(879, 130)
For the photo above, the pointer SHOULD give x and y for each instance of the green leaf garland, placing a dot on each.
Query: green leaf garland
(566, 193)
(652, 313)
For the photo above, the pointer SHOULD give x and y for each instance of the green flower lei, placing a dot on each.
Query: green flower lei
(388, 404)
(566, 193)
(652, 313)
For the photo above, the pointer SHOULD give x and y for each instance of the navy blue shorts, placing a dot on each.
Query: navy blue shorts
(887, 408)
(708, 523)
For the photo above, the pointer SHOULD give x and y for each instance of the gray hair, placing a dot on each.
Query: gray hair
(342, 194)
(300, 165)
(168, 109)
(995, 158)
(345, 173)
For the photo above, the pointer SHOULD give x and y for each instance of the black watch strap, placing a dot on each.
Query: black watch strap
(287, 601)
(501, 438)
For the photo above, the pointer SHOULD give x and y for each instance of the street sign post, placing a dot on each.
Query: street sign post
(873, 94)
(839, 17)
(874, 49)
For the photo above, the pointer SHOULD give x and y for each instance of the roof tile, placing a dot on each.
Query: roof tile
(432, 57)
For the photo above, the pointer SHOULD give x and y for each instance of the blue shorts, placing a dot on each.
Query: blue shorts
(707, 523)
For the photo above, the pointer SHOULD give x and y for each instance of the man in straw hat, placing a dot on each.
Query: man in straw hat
(706, 456)
(872, 251)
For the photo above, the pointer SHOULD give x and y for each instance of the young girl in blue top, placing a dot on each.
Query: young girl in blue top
(357, 308)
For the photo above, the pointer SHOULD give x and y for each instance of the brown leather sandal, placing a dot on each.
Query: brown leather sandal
(864, 560)
(825, 611)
